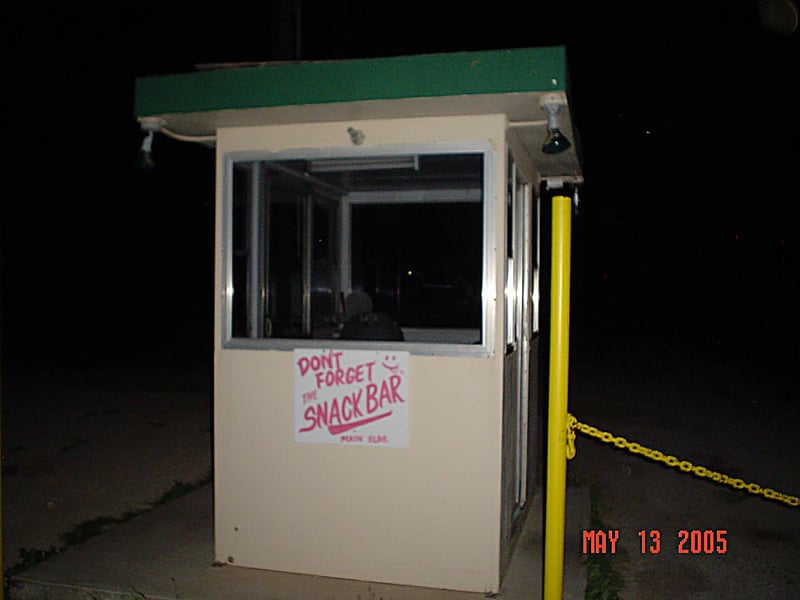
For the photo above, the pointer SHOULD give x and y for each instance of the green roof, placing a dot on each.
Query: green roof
(302, 83)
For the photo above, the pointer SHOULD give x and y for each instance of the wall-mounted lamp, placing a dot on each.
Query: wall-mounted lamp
(555, 142)
(151, 125)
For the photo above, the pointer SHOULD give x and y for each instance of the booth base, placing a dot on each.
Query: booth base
(168, 553)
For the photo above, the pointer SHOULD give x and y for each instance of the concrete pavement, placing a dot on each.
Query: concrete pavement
(168, 553)
(92, 440)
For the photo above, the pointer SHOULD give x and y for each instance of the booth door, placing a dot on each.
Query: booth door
(519, 315)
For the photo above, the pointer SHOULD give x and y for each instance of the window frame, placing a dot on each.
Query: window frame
(489, 244)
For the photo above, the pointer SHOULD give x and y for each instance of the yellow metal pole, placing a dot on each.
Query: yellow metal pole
(556, 482)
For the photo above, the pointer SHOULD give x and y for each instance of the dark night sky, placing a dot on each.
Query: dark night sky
(687, 115)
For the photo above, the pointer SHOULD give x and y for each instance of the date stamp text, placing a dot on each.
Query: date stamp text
(652, 541)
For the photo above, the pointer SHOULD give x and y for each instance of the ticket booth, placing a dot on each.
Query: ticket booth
(376, 315)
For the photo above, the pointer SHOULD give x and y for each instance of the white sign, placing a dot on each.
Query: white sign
(356, 397)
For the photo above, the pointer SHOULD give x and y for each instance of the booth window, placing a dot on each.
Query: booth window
(386, 248)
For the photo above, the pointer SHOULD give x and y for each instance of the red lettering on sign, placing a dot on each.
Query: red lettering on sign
(347, 376)
(326, 360)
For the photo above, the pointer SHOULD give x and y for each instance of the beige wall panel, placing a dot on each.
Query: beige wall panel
(426, 515)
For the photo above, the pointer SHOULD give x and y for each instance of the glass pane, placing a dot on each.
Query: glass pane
(325, 285)
(285, 239)
(414, 235)
(243, 254)
(421, 263)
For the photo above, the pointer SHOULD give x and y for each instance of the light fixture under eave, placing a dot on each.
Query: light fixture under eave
(146, 152)
(555, 142)
(363, 163)
(149, 126)
(153, 125)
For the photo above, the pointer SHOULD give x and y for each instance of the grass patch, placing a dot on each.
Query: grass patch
(93, 527)
(603, 579)
(29, 557)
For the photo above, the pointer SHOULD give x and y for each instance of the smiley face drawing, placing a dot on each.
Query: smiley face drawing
(390, 363)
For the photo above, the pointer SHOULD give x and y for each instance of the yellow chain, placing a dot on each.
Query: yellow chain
(670, 461)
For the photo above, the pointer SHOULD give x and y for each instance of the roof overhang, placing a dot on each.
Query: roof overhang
(511, 82)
